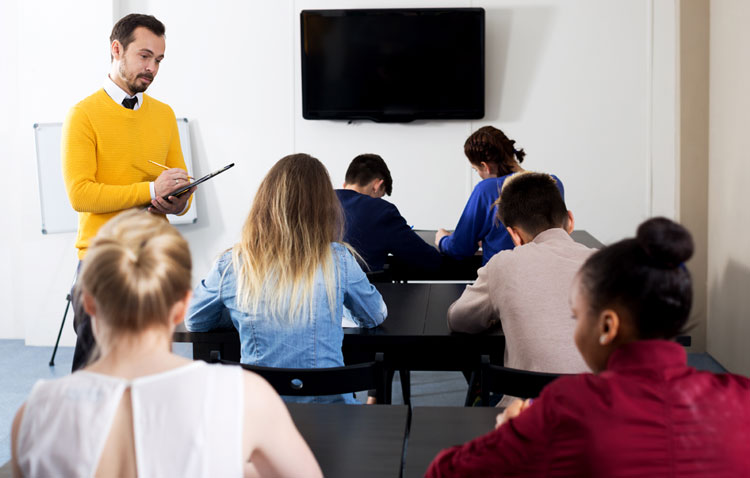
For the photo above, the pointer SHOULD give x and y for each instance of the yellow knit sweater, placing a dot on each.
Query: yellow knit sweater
(105, 157)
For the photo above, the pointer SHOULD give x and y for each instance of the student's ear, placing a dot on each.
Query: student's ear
(571, 222)
(179, 309)
(89, 304)
(609, 326)
(377, 188)
(515, 235)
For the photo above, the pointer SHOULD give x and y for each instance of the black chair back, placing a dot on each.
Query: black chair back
(322, 381)
(510, 381)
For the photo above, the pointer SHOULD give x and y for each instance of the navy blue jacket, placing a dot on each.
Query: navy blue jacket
(374, 227)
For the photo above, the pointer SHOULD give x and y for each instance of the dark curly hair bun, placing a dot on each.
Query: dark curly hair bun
(666, 243)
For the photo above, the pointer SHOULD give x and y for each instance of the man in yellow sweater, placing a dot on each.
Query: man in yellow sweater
(111, 141)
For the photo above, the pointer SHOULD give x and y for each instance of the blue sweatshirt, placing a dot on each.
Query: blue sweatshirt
(478, 222)
(374, 228)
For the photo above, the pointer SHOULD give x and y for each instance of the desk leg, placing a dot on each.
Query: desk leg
(405, 377)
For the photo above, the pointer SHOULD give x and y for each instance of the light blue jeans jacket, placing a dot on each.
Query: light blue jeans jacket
(311, 343)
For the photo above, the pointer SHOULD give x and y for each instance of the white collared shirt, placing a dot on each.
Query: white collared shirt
(118, 94)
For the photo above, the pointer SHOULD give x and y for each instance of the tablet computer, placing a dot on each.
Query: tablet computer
(183, 189)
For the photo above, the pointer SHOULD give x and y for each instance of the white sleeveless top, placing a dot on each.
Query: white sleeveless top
(187, 422)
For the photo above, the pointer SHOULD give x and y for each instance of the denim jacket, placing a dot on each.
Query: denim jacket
(311, 343)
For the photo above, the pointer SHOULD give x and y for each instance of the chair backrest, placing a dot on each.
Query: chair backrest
(322, 381)
(510, 381)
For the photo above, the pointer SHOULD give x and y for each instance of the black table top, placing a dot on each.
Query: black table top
(351, 440)
(415, 335)
(435, 428)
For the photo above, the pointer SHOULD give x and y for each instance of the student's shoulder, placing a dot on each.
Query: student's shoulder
(503, 262)
(340, 250)
(490, 186)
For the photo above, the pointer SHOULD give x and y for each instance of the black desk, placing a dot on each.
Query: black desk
(435, 428)
(415, 335)
(354, 441)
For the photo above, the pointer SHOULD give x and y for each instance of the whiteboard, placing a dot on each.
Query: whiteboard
(57, 213)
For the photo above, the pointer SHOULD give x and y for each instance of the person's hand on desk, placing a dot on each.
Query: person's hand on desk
(513, 410)
(441, 233)
(168, 181)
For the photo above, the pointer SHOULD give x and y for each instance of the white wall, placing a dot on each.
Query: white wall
(573, 82)
(729, 176)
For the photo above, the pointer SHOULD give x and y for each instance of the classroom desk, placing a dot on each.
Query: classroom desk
(350, 440)
(435, 428)
(415, 335)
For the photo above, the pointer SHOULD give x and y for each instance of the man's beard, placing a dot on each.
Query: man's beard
(134, 86)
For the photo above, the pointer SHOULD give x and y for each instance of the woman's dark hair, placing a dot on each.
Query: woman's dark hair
(646, 276)
(124, 28)
(490, 145)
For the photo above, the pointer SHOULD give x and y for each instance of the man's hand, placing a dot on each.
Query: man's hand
(441, 233)
(171, 205)
(513, 410)
(170, 180)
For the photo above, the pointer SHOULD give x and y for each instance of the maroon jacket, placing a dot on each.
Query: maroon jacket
(647, 415)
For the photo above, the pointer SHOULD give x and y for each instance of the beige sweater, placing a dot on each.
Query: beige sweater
(527, 289)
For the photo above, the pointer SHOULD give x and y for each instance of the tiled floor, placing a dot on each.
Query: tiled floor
(21, 366)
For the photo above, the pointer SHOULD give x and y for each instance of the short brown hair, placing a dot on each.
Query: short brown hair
(124, 28)
(532, 202)
(136, 268)
(367, 167)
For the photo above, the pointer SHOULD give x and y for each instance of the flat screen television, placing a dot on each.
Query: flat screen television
(393, 64)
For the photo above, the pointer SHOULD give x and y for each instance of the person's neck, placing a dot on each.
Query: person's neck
(356, 188)
(134, 355)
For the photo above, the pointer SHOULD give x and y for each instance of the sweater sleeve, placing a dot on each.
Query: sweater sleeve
(79, 167)
(473, 311)
(471, 228)
(515, 449)
(360, 297)
(406, 245)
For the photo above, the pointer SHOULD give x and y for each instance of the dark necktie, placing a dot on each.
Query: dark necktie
(130, 103)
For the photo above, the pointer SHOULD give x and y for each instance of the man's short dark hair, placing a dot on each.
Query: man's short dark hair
(123, 29)
(532, 202)
(366, 168)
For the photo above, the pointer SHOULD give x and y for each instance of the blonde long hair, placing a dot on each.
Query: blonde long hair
(136, 268)
(286, 238)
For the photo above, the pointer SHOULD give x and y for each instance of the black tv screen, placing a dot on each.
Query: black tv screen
(393, 64)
